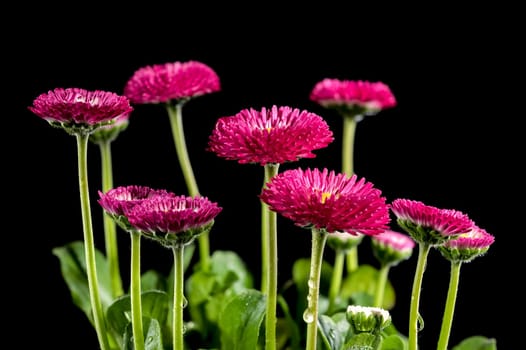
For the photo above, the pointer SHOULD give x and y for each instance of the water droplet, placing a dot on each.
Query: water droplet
(308, 316)
(184, 329)
(310, 283)
(184, 302)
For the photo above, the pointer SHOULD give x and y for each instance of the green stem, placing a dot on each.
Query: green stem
(89, 242)
(380, 285)
(336, 278)
(352, 259)
(423, 252)
(311, 314)
(110, 227)
(175, 113)
(449, 310)
(349, 131)
(135, 291)
(272, 275)
(264, 244)
(179, 301)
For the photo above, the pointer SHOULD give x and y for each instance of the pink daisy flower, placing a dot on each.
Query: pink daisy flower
(327, 201)
(117, 201)
(177, 81)
(467, 246)
(274, 135)
(356, 97)
(390, 247)
(428, 224)
(173, 220)
(77, 110)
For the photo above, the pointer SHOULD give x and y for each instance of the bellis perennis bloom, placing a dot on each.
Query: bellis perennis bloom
(467, 246)
(117, 202)
(428, 224)
(273, 135)
(79, 110)
(327, 201)
(173, 220)
(354, 97)
(391, 247)
(177, 81)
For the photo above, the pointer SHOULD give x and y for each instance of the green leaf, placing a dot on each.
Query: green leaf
(241, 319)
(477, 342)
(155, 305)
(334, 330)
(360, 286)
(153, 280)
(152, 335)
(73, 267)
(207, 291)
(393, 342)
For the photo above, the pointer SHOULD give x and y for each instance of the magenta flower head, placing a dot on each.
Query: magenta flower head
(353, 97)
(118, 201)
(109, 132)
(174, 220)
(79, 111)
(428, 224)
(327, 201)
(174, 81)
(391, 247)
(274, 135)
(467, 246)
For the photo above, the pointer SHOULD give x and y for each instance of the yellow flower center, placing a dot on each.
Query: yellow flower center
(324, 197)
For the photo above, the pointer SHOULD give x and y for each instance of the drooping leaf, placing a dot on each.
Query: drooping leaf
(477, 342)
(155, 305)
(241, 319)
(152, 335)
(153, 280)
(73, 268)
(393, 342)
(207, 291)
(334, 330)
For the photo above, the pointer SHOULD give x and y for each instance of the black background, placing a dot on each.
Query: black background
(449, 142)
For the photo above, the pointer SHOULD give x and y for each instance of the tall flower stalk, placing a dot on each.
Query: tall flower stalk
(174, 84)
(103, 137)
(352, 99)
(79, 112)
(430, 227)
(464, 248)
(269, 137)
(325, 202)
(174, 222)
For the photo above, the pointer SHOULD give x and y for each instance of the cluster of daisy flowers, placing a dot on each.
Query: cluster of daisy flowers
(339, 208)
